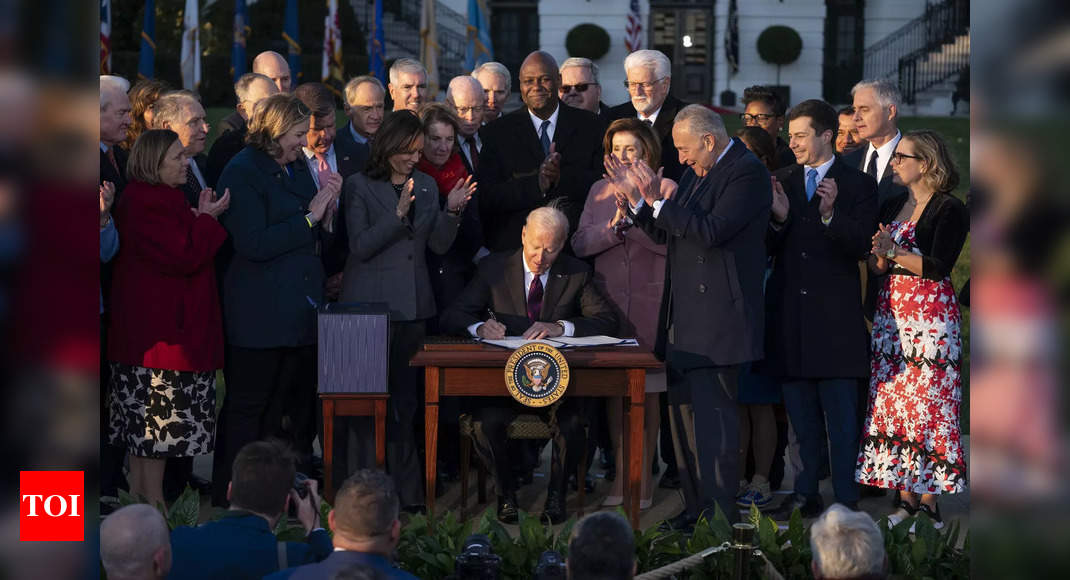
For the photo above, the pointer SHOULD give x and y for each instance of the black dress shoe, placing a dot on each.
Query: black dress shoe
(554, 510)
(669, 480)
(507, 509)
(871, 491)
(808, 507)
(202, 485)
(682, 522)
(588, 483)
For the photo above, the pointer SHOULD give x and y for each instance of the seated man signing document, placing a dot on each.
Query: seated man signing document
(536, 293)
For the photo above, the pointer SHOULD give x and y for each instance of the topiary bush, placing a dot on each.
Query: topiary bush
(779, 45)
(587, 41)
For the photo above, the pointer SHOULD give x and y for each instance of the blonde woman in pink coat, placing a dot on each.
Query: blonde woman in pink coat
(629, 268)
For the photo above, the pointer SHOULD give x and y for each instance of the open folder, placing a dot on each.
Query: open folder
(515, 342)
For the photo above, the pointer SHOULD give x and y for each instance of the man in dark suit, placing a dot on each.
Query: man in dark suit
(364, 104)
(824, 215)
(366, 530)
(711, 318)
(649, 75)
(181, 112)
(242, 544)
(510, 287)
(764, 108)
(580, 87)
(465, 97)
(876, 105)
(539, 155)
(249, 89)
(114, 121)
(497, 85)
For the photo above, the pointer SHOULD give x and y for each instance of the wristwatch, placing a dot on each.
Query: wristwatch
(312, 221)
(890, 254)
(561, 323)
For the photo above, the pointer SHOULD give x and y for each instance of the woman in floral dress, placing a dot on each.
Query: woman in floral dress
(911, 441)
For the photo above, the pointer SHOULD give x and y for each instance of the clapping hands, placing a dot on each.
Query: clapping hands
(460, 194)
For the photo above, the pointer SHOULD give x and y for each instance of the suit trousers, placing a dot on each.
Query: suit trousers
(406, 386)
(705, 427)
(812, 404)
(569, 436)
(260, 382)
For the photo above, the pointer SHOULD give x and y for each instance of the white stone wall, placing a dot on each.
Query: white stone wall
(557, 17)
(884, 17)
(807, 17)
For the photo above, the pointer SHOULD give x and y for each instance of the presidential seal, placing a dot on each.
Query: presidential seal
(536, 374)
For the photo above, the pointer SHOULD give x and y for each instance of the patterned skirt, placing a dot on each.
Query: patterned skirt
(911, 440)
(161, 413)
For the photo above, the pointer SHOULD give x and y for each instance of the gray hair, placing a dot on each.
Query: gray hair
(241, 88)
(456, 82)
(548, 219)
(654, 59)
(408, 65)
(579, 61)
(498, 69)
(130, 538)
(887, 92)
(355, 82)
(700, 120)
(110, 86)
(115, 82)
(846, 544)
(168, 107)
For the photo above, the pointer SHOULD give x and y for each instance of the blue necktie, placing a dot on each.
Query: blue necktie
(811, 184)
(544, 137)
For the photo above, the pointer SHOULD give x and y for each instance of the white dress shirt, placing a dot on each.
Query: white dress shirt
(537, 122)
(884, 155)
(313, 163)
(653, 118)
(570, 328)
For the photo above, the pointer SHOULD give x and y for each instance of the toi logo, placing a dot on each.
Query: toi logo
(51, 506)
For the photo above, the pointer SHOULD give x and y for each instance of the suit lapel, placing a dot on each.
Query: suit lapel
(514, 281)
(523, 128)
(555, 287)
(663, 124)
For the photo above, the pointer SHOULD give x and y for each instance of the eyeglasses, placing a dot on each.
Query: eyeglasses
(899, 157)
(465, 111)
(645, 86)
(579, 88)
(759, 118)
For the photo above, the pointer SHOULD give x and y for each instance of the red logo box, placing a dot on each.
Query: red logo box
(51, 506)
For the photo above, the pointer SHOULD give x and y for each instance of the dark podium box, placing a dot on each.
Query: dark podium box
(354, 347)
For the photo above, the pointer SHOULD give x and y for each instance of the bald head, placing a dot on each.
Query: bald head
(539, 83)
(466, 97)
(272, 65)
(135, 543)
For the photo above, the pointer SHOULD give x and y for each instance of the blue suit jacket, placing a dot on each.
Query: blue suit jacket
(342, 560)
(240, 545)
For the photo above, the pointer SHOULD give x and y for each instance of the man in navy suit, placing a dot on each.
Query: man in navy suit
(250, 89)
(541, 154)
(366, 530)
(876, 105)
(824, 214)
(364, 104)
(711, 318)
(242, 543)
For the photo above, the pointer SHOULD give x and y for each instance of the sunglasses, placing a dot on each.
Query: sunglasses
(760, 117)
(580, 88)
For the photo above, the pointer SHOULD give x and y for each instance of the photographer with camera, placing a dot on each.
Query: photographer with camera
(366, 529)
(242, 544)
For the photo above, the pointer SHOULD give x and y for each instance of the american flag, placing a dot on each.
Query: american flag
(331, 69)
(633, 39)
(105, 37)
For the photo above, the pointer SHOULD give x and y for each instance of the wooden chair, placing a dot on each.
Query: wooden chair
(525, 426)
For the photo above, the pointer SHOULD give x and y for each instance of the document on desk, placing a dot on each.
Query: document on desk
(515, 342)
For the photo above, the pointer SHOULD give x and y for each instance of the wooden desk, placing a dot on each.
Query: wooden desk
(477, 370)
(351, 405)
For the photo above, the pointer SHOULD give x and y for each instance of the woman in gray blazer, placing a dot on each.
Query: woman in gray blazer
(393, 217)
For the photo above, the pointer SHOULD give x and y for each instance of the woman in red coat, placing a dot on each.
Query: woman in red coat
(166, 338)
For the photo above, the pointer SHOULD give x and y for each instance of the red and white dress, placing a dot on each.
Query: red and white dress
(911, 440)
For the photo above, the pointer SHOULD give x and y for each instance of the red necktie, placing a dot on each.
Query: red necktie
(535, 299)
